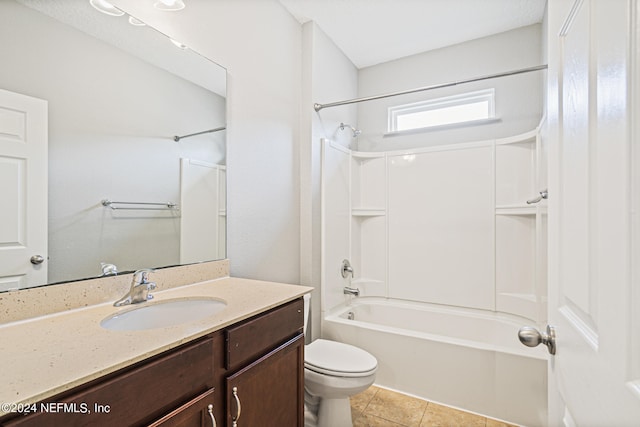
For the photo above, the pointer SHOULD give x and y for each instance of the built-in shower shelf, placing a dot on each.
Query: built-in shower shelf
(523, 304)
(528, 137)
(368, 212)
(516, 210)
(522, 296)
(365, 155)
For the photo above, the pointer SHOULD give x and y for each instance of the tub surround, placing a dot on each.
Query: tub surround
(481, 219)
(57, 350)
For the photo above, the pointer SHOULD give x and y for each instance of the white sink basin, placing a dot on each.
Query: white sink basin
(163, 314)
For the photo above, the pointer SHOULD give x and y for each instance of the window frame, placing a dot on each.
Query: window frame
(474, 97)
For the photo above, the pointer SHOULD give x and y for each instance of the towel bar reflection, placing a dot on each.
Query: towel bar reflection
(148, 206)
(544, 194)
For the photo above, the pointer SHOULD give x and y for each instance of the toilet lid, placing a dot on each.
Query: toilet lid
(331, 357)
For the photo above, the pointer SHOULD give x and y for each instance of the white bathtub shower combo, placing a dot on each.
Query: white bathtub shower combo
(449, 261)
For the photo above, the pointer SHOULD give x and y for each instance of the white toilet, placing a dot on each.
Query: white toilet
(333, 372)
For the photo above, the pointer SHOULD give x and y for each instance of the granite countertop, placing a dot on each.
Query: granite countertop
(43, 356)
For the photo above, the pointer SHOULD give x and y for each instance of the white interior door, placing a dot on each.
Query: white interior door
(594, 376)
(23, 191)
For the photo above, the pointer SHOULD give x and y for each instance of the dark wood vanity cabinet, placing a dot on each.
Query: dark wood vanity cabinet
(261, 359)
(265, 383)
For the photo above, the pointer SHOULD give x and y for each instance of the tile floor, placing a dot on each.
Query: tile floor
(378, 407)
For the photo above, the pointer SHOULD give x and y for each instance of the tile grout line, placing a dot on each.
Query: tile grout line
(425, 412)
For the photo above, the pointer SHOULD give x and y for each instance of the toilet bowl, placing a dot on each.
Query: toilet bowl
(333, 372)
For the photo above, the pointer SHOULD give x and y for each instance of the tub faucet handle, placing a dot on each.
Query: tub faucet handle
(346, 269)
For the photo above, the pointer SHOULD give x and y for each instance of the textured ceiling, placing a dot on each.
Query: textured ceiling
(375, 31)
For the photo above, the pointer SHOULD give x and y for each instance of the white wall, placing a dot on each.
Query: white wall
(327, 74)
(259, 43)
(518, 98)
(111, 122)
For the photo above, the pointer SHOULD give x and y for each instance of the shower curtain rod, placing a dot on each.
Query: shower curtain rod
(178, 138)
(319, 107)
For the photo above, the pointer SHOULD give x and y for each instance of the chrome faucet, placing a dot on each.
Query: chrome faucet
(140, 287)
(108, 269)
(348, 290)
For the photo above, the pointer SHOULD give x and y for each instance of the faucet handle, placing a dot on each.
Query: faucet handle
(150, 287)
(142, 276)
(346, 269)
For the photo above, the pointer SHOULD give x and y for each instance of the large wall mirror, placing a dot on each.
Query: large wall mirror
(123, 194)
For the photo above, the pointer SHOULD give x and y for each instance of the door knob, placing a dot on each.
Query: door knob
(37, 259)
(531, 337)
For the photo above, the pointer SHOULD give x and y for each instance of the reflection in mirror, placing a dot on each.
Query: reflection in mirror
(116, 96)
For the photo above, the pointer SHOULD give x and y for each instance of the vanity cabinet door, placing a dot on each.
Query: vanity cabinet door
(270, 391)
(196, 413)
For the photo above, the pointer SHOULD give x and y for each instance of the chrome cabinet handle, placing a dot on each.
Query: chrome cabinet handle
(237, 417)
(213, 419)
(544, 194)
(531, 337)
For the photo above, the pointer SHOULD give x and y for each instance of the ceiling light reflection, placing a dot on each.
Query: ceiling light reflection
(169, 5)
(106, 7)
(178, 44)
(136, 22)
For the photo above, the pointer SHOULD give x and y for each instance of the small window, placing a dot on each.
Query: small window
(449, 110)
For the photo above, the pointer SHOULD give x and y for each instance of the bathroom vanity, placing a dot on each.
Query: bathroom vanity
(243, 364)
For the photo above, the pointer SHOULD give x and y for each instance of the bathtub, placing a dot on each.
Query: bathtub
(464, 358)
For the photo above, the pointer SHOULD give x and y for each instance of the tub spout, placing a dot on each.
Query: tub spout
(351, 291)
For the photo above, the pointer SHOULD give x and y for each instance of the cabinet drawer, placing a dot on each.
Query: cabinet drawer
(256, 336)
(136, 396)
(195, 413)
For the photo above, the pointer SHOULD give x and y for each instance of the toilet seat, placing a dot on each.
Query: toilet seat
(338, 359)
